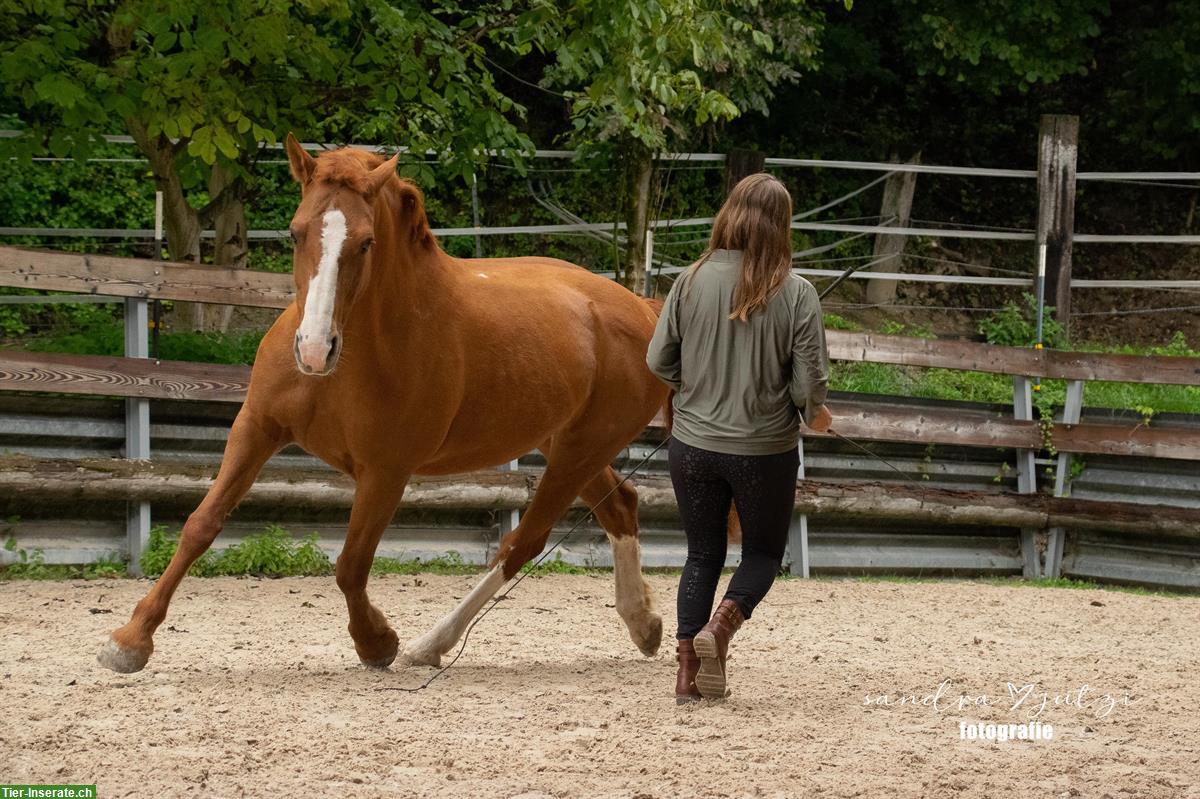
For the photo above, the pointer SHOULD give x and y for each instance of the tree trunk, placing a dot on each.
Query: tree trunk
(639, 172)
(740, 164)
(181, 222)
(231, 243)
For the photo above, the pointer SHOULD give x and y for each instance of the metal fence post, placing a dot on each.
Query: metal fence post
(137, 412)
(647, 289)
(137, 431)
(1072, 410)
(475, 215)
(797, 547)
(1026, 474)
(509, 519)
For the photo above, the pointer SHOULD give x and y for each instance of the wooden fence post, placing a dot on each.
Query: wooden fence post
(740, 164)
(894, 212)
(1058, 147)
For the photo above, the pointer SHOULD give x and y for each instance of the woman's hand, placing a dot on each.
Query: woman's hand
(821, 420)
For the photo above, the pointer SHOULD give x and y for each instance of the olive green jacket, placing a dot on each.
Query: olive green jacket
(741, 387)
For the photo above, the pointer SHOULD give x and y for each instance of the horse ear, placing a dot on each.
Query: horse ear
(378, 176)
(301, 162)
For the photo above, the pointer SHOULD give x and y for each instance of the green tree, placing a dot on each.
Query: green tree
(997, 44)
(640, 76)
(200, 85)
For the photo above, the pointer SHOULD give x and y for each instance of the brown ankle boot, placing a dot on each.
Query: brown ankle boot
(712, 647)
(685, 680)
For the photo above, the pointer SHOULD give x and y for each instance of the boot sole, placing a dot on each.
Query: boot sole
(710, 679)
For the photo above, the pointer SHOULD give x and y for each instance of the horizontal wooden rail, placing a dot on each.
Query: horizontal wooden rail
(112, 376)
(978, 357)
(150, 379)
(142, 278)
(65, 481)
(148, 279)
(970, 427)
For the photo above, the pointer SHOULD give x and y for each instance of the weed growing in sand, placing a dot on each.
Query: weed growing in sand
(31, 565)
(271, 553)
(559, 566)
(450, 563)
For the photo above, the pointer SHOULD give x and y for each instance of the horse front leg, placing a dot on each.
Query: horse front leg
(375, 502)
(252, 441)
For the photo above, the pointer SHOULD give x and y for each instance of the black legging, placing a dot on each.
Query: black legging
(764, 488)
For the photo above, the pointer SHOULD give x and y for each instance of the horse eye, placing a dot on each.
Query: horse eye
(366, 245)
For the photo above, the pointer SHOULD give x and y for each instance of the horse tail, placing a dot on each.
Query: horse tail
(734, 530)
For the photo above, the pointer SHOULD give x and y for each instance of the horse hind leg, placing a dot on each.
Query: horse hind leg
(566, 475)
(616, 506)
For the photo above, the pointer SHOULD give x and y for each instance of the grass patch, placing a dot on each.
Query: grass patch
(108, 337)
(450, 563)
(33, 566)
(271, 553)
(557, 565)
(1147, 399)
(1074, 584)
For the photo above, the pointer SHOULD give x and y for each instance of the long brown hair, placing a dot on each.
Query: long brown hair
(756, 219)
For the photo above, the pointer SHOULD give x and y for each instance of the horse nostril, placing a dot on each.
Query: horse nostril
(332, 355)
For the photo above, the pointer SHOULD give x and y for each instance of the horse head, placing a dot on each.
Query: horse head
(333, 233)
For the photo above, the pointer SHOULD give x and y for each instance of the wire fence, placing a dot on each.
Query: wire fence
(821, 261)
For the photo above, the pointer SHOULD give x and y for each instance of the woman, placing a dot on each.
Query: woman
(741, 341)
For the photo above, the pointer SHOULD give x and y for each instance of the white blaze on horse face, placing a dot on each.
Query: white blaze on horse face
(315, 336)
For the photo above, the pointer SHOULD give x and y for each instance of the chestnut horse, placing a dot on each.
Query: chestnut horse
(397, 359)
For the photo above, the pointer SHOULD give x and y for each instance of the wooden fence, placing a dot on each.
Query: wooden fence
(140, 379)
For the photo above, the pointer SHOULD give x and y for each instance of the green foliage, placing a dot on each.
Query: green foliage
(201, 85)
(1146, 399)
(221, 77)
(1018, 43)
(835, 322)
(893, 327)
(1017, 327)
(450, 563)
(108, 339)
(650, 72)
(33, 566)
(273, 552)
(557, 565)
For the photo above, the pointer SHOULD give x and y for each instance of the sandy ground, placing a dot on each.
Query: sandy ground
(254, 690)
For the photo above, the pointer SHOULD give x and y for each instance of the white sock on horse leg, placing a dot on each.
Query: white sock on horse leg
(429, 647)
(634, 601)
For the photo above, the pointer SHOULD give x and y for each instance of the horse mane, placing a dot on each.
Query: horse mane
(348, 167)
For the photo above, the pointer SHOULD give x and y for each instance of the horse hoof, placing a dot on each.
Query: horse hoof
(380, 655)
(421, 653)
(650, 636)
(124, 661)
(378, 663)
